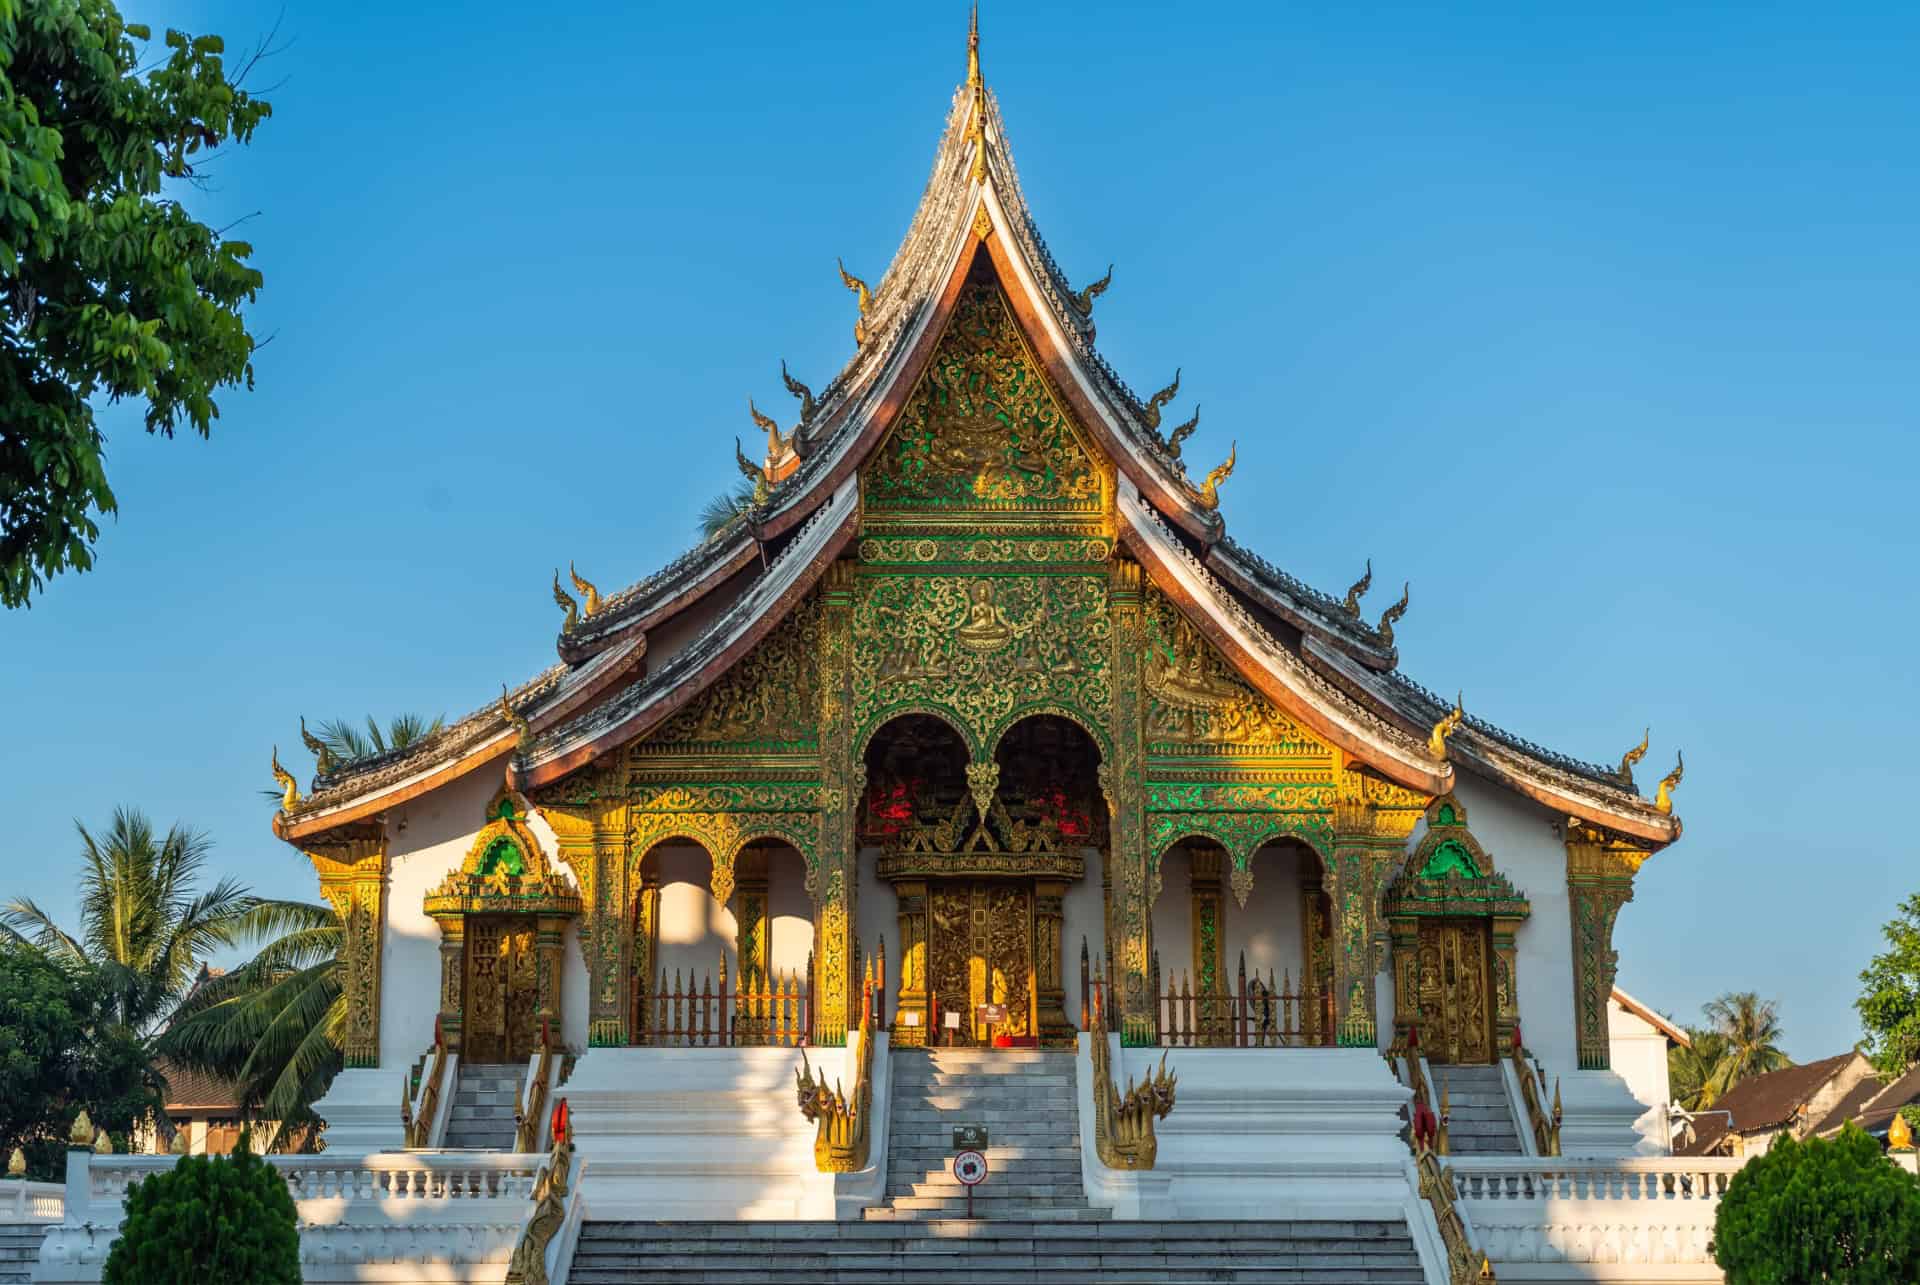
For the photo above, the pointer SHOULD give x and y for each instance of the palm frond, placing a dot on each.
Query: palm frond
(723, 508)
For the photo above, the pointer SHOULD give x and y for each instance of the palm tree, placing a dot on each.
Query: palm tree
(144, 929)
(1693, 1072)
(346, 743)
(275, 1026)
(723, 508)
(1751, 1028)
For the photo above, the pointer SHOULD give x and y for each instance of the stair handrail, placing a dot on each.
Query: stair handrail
(526, 1135)
(1467, 1264)
(528, 1265)
(1546, 1128)
(1123, 1123)
(842, 1135)
(419, 1129)
(1434, 1128)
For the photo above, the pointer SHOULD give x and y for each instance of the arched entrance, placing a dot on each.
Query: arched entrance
(1452, 918)
(980, 857)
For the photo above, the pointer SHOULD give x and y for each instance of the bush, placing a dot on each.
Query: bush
(208, 1219)
(1820, 1211)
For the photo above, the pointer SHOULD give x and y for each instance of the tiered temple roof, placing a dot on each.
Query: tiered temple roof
(1307, 650)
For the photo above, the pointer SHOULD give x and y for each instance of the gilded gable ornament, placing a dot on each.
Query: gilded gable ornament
(323, 760)
(800, 391)
(566, 603)
(1210, 489)
(1632, 757)
(776, 444)
(1179, 436)
(771, 695)
(1449, 724)
(864, 297)
(1668, 783)
(505, 870)
(290, 788)
(586, 589)
(1394, 613)
(1083, 299)
(1150, 414)
(1357, 591)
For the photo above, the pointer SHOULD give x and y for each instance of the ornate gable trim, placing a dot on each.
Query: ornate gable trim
(1450, 873)
(505, 871)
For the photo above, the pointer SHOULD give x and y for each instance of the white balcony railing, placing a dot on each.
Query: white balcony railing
(32, 1202)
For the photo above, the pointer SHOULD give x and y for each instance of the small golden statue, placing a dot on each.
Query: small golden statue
(984, 630)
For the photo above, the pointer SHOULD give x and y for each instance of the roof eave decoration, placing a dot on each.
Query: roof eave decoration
(569, 746)
(1587, 792)
(1299, 604)
(1320, 706)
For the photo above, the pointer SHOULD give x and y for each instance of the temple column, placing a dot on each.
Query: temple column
(1600, 874)
(646, 949)
(910, 897)
(353, 879)
(834, 882)
(751, 929)
(1049, 928)
(453, 963)
(1363, 860)
(1314, 964)
(1123, 781)
(1207, 906)
(549, 941)
(590, 822)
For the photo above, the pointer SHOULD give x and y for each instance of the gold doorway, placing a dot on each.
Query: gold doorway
(980, 951)
(1455, 1019)
(502, 988)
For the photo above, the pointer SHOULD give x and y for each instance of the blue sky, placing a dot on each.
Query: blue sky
(1596, 323)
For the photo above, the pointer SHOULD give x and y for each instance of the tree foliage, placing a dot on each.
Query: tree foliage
(208, 1219)
(1695, 1072)
(717, 513)
(1889, 1003)
(1820, 1210)
(108, 288)
(275, 1027)
(60, 1051)
(346, 743)
(145, 927)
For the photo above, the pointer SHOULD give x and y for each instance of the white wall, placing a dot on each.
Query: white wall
(695, 930)
(1639, 1053)
(789, 913)
(1173, 917)
(1083, 917)
(1526, 846)
(1269, 930)
(877, 915)
(427, 839)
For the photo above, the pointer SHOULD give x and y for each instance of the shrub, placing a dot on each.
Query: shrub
(1820, 1211)
(208, 1219)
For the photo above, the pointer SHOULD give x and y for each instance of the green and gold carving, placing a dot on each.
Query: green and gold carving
(770, 698)
(833, 880)
(982, 429)
(1600, 871)
(1123, 781)
(353, 879)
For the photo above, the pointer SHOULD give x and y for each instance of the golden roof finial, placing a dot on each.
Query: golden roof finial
(977, 126)
(799, 390)
(1083, 299)
(755, 473)
(323, 761)
(865, 298)
(1394, 613)
(290, 787)
(1449, 724)
(1152, 412)
(1633, 756)
(1210, 489)
(1177, 438)
(973, 49)
(566, 603)
(1668, 783)
(776, 444)
(1358, 590)
(585, 586)
(523, 733)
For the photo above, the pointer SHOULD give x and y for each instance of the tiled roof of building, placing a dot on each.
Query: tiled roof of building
(1874, 1109)
(1766, 1101)
(197, 1091)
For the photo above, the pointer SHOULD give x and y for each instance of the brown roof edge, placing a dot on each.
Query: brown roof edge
(1651, 1018)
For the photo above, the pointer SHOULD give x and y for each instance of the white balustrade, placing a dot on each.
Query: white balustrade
(32, 1202)
(1606, 1213)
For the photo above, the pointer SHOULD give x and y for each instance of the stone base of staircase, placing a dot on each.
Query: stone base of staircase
(937, 1252)
(1480, 1120)
(483, 1102)
(19, 1251)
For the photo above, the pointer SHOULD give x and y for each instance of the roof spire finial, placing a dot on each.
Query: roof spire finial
(973, 48)
(977, 126)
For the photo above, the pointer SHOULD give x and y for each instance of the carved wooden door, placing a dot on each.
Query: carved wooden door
(980, 951)
(502, 989)
(1456, 1020)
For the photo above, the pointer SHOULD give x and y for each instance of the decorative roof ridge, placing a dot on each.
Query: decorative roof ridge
(1321, 687)
(1437, 706)
(625, 604)
(1325, 610)
(700, 650)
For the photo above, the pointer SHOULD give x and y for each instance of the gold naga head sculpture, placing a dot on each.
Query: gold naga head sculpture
(776, 444)
(290, 788)
(865, 302)
(586, 588)
(1394, 613)
(1151, 415)
(523, 732)
(323, 760)
(1083, 299)
(1210, 489)
(1632, 757)
(1449, 724)
(1663, 800)
(1358, 590)
(799, 390)
(566, 603)
(1178, 437)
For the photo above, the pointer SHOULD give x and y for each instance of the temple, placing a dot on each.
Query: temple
(977, 743)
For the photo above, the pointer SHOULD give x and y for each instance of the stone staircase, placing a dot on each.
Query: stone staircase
(1026, 1100)
(19, 1251)
(483, 1101)
(1480, 1122)
(944, 1252)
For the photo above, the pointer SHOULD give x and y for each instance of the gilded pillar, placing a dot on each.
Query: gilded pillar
(1363, 858)
(1209, 921)
(1316, 963)
(590, 822)
(646, 949)
(549, 941)
(834, 882)
(453, 962)
(910, 897)
(353, 879)
(1600, 874)
(1049, 931)
(1124, 783)
(752, 931)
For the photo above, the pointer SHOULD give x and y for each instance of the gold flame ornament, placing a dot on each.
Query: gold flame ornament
(1445, 728)
(1632, 757)
(323, 760)
(102, 1144)
(81, 1134)
(586, 589)
(290, 789)
(776, 444)
(566, 603)
(865, 301)
(1155, 403)
(1083, 300)
(799, 390)
(1358, 590)
(1668, 783)
(1210, 489)
(977, 123)
(1899, 1134)
(1393, 614)
(17, 1164)
(523, 733)
(1180, 434)
(755, 473)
